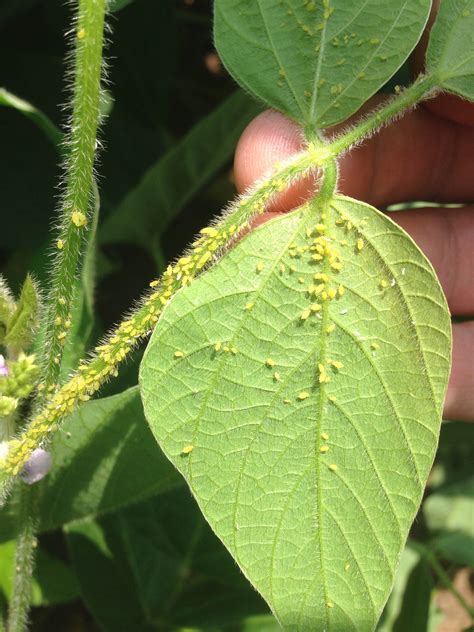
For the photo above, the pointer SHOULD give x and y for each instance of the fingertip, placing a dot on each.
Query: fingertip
(268, 139)
(459, 404)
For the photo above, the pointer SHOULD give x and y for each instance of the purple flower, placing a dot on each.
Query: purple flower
(3, 367)
(37, 466)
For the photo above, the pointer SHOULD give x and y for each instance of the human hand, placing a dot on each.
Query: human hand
(427, 155)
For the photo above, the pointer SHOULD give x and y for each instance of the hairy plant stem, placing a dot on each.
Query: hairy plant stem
(205, 251)
(76, 201)
(74, 214)
(24, 561)
(422, 88)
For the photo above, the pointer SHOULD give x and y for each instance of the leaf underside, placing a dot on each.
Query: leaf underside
(450, 53)
(312, 486)
(318, 62)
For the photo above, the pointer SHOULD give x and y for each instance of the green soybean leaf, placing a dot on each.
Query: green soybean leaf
(408, 561)
(105, 459)
(50, 130)
(24, 320)
(53, 580)
(165, 562)
(104, 576)
(415, 611)
(316, 60)
(7, 308)
(450, 54)
(304, 411)
(455, 546)
(118, 5)
(451, 508)
(107, 444)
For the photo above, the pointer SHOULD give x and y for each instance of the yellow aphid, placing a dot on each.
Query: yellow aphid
(249, 306)
(317, 257)
(341, 289)
(360, 244)
(336, 364)
(309, 232)
(81, 33)
(374, 345)
(305, 314)
(320, 276)
(321, 228)
(319, 288)
(323, 449)
(383, 284)
(218, 346)
(154, 283)
(259, 267)
(62, 300)
(301, 280)
(303, 395)
(324, 295)
(58, 321)
(203, 260)
(287, 401)
(78, 219)
(330, 328)
(347, 566)
(324, 436)
(315, 307)
(234, 350)
(187, 449)
(60, 244)
(332, 293)
(332, 398)
(333, 467)
(330, 604)
(226, 349)
(276, 376)
(336, 265)
(269, 362)
(210, 231)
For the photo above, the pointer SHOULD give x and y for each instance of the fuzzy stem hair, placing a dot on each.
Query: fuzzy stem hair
(76, 201)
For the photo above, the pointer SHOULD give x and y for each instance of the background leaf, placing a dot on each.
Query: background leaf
(451, 508)
(316, 521)
(24, 319)
(415, 611)
(450, 54)
(53, 581)
(169, 184)
(169, 569)
(105, 459)
(316, 61)
(52, 132)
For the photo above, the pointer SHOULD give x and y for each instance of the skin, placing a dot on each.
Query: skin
(426, 155)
